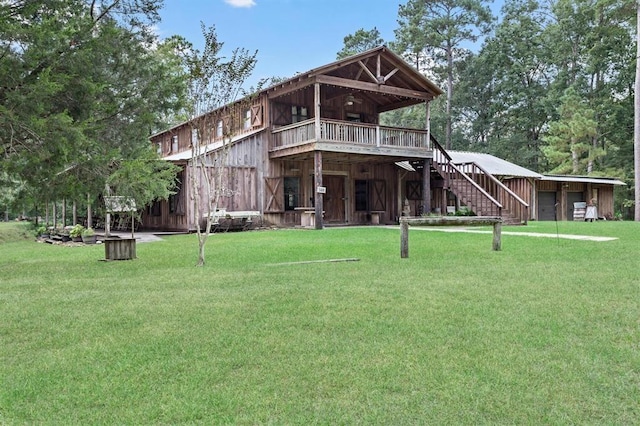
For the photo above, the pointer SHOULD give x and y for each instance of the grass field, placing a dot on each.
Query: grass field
(546, 331)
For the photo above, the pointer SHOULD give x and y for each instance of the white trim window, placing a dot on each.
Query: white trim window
(219, 129)
(174, 143)
(246, 125)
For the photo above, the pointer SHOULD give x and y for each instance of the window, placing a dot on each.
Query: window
(298, 114)
(174, 143)
(219, 129)
(246, 125)
(354, 117)
(159, 148)
(155, 209)
(362, 195)
(291, 193)
(176, 201)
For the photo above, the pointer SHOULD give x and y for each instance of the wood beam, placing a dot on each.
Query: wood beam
(372, 87)
(391, 73)
(369, 73)
(361, 69)
(287, 88)
(496, 221)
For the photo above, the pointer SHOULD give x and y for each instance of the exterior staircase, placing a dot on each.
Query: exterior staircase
(477, 189)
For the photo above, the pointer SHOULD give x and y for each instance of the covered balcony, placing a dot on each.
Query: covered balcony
(348, 137)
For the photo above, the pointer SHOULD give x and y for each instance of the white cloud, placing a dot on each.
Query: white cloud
(241, 3)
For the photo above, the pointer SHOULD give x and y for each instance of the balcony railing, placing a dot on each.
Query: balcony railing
(349, 133)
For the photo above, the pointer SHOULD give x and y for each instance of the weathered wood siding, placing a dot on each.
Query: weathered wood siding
(382, 183)
(602, 193)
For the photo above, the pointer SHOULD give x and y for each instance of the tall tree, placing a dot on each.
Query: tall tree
(81, 87)
(569, 148)
(360, 41)
(441, 29)
(592, 40)
(636, 115)
(214, 85)
(503, 89)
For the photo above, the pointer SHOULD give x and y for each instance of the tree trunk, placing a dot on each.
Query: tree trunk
(449, 94)
(636, 116)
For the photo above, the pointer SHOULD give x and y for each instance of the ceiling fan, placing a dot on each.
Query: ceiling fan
(350, 100)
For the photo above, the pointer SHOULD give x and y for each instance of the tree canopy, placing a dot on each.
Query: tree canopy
(82, 86)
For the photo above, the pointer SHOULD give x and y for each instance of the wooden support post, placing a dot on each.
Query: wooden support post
(89, 213)
(427, 125)
(55, 214)
(496, 221)
(426, 186)
(317, 166)
(497, 236)
(316, 111)
(404, 239)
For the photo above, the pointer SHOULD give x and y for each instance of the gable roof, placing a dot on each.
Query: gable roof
(380, 74)
(493, 165)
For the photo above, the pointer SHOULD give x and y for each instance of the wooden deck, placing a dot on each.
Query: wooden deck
(344, 136)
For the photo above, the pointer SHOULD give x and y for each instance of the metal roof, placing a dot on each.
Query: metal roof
(499, 167)
(583, 179)
(186, 155)
(493, 165)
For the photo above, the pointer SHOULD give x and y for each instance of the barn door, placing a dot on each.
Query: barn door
(378, 195)
(546, 205)
(274, 195)
(334, 199)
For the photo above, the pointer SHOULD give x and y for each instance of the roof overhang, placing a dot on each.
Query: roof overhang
(186, 155)
(582, 179)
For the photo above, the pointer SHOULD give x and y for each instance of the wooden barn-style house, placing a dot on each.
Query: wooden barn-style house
(310, 151)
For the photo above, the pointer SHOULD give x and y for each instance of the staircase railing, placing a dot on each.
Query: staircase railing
(465, 188)
(512, 204)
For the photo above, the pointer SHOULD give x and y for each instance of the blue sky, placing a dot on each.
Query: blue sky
(291, 36)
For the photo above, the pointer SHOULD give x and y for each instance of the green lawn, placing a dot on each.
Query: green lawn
(545, 331)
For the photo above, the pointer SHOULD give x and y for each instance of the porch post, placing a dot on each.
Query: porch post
(563, 201)
(317, 167)
(428, 123)
(316, 110)
(426, 186)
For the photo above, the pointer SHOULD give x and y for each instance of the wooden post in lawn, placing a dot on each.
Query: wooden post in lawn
(495, 221)
(497, 236)
(404, 239)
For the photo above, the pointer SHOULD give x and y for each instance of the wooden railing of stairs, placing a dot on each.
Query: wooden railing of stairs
(479, 190)
(515, 211)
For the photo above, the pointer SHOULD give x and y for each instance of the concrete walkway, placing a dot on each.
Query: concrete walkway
(524, 234)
